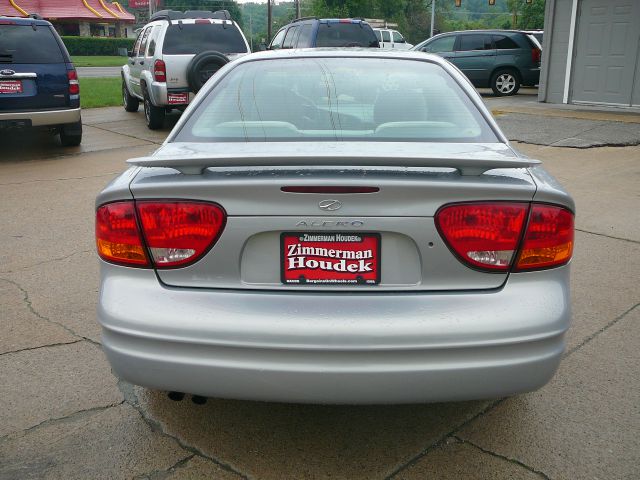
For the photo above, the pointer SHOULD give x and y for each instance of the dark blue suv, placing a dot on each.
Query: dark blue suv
(38, 83)
(314, 32)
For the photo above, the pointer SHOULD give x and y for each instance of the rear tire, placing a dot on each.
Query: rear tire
(203, 66)
(71, 134)
(131, 103)
(153, 115)
(505, 82)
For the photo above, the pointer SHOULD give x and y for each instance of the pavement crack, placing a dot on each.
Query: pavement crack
(503, 457)
(442, 439)
(29, 305)
(66, 418)
(61, 179)
(637, 242)
(58, 259)
(59, 344)
(125, 134)
(132, 400)
(162, 474)
(601, 330)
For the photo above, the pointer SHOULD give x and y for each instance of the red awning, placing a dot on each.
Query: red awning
(67, 10)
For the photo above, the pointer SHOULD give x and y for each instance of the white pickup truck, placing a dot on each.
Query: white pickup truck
(389, 39)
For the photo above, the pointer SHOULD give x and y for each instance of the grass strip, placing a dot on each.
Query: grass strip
(100, 92)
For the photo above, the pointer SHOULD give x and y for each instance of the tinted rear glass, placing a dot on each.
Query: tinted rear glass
(200, 37)
(23, 44)
(336, 99)
(336, 34)
(504, 43)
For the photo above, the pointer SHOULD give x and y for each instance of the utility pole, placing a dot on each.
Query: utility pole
(433, 15)
(298, 9)
(269, 21)
(251, 31)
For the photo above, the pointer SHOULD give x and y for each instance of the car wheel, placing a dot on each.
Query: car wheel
(71, 134)
(505, 82)
(203, 66)
(130, 102)
(153, 115)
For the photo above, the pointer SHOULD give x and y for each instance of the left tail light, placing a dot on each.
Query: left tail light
(74, 85)
(160, 234)
(159, 71)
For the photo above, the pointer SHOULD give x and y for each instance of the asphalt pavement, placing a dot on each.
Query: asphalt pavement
(63, 415)
(88, 72)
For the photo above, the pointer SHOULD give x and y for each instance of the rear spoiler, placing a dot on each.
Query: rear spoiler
(196, 165)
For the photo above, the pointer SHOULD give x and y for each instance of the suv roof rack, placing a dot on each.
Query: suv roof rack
(189, 14)
(302, 19)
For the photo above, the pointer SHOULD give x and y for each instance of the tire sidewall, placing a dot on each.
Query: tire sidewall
(506, 71)
(193, 77)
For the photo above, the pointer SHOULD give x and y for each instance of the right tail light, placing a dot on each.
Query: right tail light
(503, 236)
(548, 240)
(536, 55)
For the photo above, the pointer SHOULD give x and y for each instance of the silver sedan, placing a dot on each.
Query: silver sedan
(336, 227)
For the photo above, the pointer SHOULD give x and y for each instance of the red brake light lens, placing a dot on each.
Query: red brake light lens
(548, 241)
(159, 71)
(328, 189)
(483, 235)
(176, 233)
(536, 55)
(179, 233)
(117, 235)
(74, 85)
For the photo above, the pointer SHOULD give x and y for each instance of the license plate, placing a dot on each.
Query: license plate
(10, 86)
(330, 258)
(178, 98)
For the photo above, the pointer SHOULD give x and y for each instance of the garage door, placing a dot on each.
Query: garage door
(606, 53)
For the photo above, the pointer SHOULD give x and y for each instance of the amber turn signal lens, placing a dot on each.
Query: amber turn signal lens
(117, 235)
(548, 241)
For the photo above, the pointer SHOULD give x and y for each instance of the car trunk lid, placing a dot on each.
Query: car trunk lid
(403, 196)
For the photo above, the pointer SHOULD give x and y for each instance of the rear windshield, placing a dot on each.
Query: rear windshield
(334, 34)
(23, 44)
(193, 38)
(343, 99)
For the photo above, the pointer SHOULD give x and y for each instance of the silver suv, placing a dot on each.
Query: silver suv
(173, 57)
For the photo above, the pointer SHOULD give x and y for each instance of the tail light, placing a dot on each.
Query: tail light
(159, 71)
(548, 241)
(174, 234)
(74, 85)
(488, 236)
(536, 55)
(118, 236)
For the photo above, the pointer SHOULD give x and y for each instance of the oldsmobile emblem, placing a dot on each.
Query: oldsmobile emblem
(330, 205)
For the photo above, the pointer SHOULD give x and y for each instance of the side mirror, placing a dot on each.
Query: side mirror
(130, 53)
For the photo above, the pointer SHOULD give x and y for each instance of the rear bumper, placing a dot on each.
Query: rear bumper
(530, 76)
(158, 94)
(335, 348)
(45, 117)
